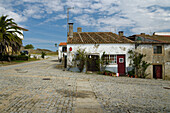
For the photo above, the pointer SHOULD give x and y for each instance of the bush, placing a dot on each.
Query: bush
(13, 58)
(22, 57)
(138, 64)
(43, 55)
(29, 46)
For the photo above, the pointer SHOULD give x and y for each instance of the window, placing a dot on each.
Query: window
(121, 60)
(157, 49)
(110, 59)
(64, 49)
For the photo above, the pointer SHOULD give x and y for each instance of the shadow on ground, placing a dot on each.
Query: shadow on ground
(79, 94)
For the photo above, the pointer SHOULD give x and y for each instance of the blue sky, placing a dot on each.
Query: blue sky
(46, 19)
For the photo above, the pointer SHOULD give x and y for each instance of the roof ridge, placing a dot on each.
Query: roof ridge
(154, 39)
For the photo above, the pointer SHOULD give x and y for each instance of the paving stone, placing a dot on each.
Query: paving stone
(26, 91)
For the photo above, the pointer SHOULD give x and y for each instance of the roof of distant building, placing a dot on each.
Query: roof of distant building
(162, 33)
(96, 37)
(151, 38)
(63, 44)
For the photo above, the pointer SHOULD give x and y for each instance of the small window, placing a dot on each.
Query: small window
(157, 49)
(110, 59)
(77, 57)
(121, 60)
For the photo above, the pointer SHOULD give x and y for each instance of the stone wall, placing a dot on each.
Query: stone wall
(156, 59)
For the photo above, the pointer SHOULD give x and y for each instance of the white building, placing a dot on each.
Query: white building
(162, 33)
(114, 46)
(62, 50)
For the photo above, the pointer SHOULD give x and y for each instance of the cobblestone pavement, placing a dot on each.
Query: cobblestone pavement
(41, 88)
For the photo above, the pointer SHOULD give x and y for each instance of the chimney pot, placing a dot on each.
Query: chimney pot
(79, 29)
(142, 33)
(120, 33)
(70, 34)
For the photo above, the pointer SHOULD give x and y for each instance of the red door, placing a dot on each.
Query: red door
(157, 71)
(121, 64)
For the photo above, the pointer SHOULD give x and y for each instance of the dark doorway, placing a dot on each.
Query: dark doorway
(157, 71)
(121, 64)
(65, 61)
(93, 63)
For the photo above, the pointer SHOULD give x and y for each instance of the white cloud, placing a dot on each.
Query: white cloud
(58, 17)
(136, 15)
(85, 20)
(17, 17)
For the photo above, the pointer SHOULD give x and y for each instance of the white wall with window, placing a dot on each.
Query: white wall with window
(111, 52)
(62, 50)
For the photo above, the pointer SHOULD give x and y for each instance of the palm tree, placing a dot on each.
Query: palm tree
(8, 35)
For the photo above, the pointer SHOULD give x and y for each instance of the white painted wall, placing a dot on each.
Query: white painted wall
(60, 53)
(98, 49)
(162, 33)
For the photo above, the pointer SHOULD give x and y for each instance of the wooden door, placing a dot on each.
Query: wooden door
(157, 71)
(121, 64)
(93, 63)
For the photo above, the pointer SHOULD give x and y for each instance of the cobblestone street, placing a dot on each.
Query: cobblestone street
(39, 87)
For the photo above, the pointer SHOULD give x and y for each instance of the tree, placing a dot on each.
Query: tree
(29, 46)
(8, 35)
(138, 64)
(82, 58)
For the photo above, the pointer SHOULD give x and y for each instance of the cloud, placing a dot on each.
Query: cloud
(85, 20)
(58, 17)
(133, 15)
(17, 17)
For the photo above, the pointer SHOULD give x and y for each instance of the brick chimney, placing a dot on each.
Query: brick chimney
(70, 34)
(120, 33)
(79, 30)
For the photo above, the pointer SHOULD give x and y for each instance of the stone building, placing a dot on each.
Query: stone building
(157, 50)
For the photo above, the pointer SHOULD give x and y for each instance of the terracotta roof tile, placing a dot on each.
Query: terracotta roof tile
(156, 38)
(96, 37)
(63, 44)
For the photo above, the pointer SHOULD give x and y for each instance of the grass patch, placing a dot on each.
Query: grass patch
(52, 53)
(4, 63)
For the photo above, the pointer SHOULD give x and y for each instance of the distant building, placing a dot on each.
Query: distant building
(62, 50)
(162, 33)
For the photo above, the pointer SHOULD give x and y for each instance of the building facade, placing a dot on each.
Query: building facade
(62, 50)
(157, 50)
(96, 44)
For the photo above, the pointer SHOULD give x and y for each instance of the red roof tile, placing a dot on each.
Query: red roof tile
(63, 44)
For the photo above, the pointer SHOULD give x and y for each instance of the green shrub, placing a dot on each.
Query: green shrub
(43, 55)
